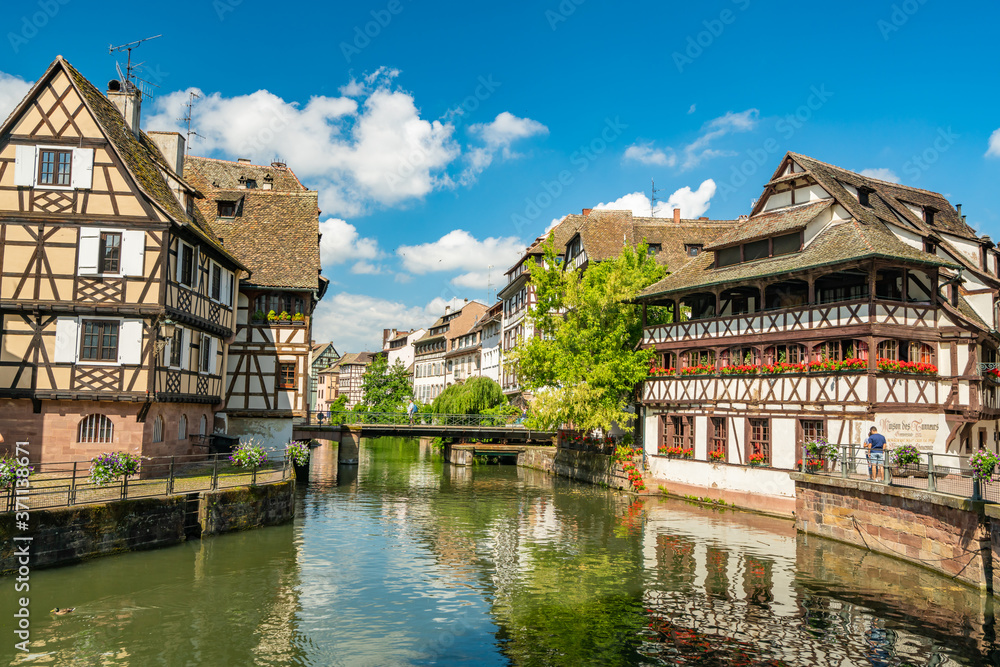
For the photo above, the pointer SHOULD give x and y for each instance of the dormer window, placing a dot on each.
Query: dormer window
(227, 209)
(760, 249)
(268, 181)
(863, 197)
(692, 249)
(928, 215)
(574, 248)
(251, 184)
(653, 249)
(930, 246)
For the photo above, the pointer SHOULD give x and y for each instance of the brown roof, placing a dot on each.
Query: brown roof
(141, 157)
(355, 358)
(275, 232)
(771, 223)
(841, 243)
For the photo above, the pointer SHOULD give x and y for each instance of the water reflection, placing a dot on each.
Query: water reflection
(407, 560)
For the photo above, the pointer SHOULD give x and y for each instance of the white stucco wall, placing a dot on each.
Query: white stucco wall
(729, 478)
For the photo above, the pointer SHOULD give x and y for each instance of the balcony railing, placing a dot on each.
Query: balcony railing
(787, 320)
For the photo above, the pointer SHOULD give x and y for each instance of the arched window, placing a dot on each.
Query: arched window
(739, 356)
(96, 428)
(204, 425)
(788, 354)
(182, 428)
(158, 429)
(888, 349)
(921, 353)
(697, 358)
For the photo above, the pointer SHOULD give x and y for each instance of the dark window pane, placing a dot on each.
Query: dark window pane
(786, 244)
(110, 252)
(755, 250)
(728, 256)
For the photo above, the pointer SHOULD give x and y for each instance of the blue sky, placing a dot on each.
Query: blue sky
(443, 137)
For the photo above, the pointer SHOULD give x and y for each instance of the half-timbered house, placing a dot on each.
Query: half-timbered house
(270, 221)
(116, 298)
(841, 302)
(323, 356)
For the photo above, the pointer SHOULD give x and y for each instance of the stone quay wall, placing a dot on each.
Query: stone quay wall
(944, 533)
(66, 535)
(583, 466)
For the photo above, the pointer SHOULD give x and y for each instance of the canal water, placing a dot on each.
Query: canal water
(407, 560)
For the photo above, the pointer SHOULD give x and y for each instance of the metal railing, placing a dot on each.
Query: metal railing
(68, 483)
(403, 419)
(937, 472)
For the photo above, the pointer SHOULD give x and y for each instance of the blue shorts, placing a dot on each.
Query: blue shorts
(876, 458)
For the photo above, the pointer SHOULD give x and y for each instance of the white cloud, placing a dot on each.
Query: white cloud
(994, 147)
(552, 225)
(458, 250)
(699, 149)
(498, 135)
(341, 242)
(692, 109)
(480, 279)
(354, 322)
(647, 154)
(881, 173)
(12, 91)
(367, 148)
(692, 203)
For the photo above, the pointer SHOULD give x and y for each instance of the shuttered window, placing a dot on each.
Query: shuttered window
(158, 429)
(99, 341)
(109, 253)
(187, 265)
(54, 167)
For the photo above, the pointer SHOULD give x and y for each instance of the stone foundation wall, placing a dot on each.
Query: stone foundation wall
(68, 535)
(538, 458)
(589, 467)
(246, 507)
(941, 532)
(993, 517)
(52, 434)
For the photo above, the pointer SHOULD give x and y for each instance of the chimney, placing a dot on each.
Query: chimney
(959, 207)
(677, 215)
(587, 211)
(704, 217)
(244, 160)
(128, 102)
(171, 144)
(447, 310)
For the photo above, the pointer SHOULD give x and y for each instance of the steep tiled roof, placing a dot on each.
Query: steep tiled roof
(355, 358)
(771, 223)
(842, 243)
(140, 155)
(225, 175)
(275, 232)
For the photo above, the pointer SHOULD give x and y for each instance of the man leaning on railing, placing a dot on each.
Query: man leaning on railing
(875, 445)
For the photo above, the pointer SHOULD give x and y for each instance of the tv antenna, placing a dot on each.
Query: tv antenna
(652, 198)
(128, 77)
(187, 119)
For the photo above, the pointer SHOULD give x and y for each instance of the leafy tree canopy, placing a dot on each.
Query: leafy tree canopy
(582, 365)
(385, 388)
(469, 398)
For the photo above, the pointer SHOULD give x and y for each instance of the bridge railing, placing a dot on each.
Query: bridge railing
(402, 419)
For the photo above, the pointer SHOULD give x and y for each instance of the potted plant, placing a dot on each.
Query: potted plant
(717, 456)
(258, 316)
(272, 316)
(758, 460)
(820, 454)
(248, 454)
(299, 318)
(905, 461)
(10, 471)
(106, 467)
(298, 454)
(983, 464)
(284, 316)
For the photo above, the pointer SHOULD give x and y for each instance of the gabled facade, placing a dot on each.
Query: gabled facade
(431, 372)
(102, 252)
(399, 345)
(841, 302)
(270, 221)
(324, 355)
(350, 371)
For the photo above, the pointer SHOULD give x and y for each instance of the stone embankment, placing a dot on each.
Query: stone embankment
(71, 534)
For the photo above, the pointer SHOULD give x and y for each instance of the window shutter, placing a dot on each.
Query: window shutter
(83, 168)
(213, 366)
(180, 260)
(133, 252)
(130, 342)
(90, 241)
(186, 349)
(25, 162)
(66, 333)
(196, 258)
(167, 351)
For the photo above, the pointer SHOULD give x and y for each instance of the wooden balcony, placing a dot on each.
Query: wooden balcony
(790, 320)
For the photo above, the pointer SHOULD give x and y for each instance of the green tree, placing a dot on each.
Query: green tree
(385, 388)
(471, 397)
(582, 365)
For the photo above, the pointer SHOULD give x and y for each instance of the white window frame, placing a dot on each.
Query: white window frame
(195, 265)
(130, 239)
(122, 321)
